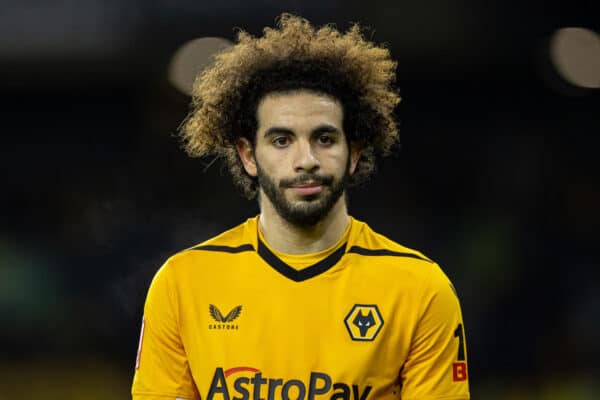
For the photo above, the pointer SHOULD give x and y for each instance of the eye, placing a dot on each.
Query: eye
(280, 141)
(326, 140)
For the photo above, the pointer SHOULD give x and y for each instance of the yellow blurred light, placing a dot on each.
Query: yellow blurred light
(575, 53)
(191, 58)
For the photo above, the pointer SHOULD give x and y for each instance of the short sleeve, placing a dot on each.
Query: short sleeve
(436, 366)
(162, 369)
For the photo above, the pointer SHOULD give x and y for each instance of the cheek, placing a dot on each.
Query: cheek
(273, 164)
(344, 161)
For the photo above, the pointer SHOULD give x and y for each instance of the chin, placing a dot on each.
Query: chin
(304, 221)
(307, 199)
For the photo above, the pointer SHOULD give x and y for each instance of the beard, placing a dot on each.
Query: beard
(310, 209)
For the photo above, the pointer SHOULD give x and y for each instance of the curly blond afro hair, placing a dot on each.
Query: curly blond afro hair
(294, 56)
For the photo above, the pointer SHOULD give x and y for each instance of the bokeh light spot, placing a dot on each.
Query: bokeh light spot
(575, 53)
(192, 58)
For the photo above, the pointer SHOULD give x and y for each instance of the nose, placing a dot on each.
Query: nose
(305, 159)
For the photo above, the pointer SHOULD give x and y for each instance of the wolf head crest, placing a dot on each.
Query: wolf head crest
(364, 322)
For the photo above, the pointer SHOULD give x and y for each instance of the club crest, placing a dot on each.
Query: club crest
(364, 322)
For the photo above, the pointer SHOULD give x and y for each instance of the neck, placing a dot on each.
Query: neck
(292, 239)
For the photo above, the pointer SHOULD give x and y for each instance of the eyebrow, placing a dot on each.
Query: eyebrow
(280, 130)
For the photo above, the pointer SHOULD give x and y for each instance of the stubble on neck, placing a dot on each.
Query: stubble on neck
(288, 238)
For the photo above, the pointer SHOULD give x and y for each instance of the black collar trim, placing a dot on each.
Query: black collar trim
(306, 273)
(383, 252)
(225, 249)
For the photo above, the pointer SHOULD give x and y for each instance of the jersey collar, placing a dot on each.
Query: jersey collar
(299, 275)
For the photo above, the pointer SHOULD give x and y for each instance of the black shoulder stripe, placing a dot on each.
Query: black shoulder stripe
(383, 252)
(225, 249)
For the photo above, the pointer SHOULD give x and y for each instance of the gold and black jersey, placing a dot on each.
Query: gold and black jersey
(233, 319)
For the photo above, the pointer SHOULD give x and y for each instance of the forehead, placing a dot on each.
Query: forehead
(299, 107)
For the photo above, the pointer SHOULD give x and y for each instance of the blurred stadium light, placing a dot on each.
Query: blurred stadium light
(191, 58)
(575, 53)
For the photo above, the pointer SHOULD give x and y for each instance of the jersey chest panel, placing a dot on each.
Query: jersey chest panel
(351, 326)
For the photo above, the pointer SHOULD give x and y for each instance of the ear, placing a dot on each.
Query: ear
(245, 151)
(355, 150)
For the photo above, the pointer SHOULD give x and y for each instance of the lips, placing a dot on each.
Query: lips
(307, 189)
(306, 184)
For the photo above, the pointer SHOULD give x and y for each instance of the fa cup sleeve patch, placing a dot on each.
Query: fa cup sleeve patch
(139, 350)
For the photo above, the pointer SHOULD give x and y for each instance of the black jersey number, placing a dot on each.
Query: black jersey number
(461, 342)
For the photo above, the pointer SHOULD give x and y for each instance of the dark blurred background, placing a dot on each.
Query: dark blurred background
(496, 179)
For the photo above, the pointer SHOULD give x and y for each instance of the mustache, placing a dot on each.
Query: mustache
(306, 178)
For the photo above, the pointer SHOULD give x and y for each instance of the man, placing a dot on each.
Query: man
(302, 301)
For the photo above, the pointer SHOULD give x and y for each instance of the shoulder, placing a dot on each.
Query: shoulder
(394, 263)
(236, 240)
(367, 242)
(397, 258)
